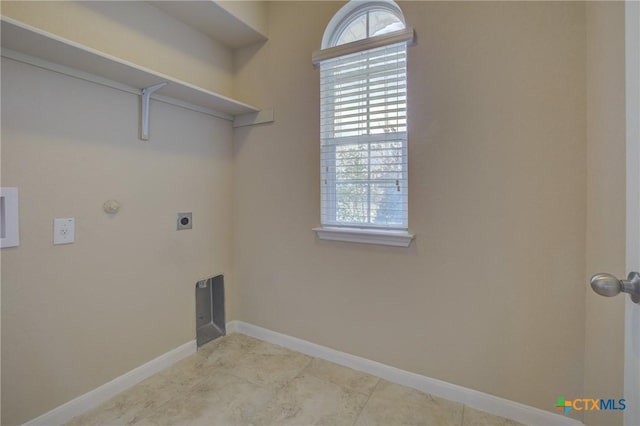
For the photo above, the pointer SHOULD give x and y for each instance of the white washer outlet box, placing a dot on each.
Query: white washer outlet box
(64, 230)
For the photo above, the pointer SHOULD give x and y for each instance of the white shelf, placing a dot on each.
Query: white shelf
(30, 42)
(212, 19)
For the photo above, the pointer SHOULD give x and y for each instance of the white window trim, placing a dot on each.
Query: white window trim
(388, 237)
(406, 35)
(384, 237)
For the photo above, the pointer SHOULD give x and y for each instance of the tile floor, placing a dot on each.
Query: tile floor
(238, 380)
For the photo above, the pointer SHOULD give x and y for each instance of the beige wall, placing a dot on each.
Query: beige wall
(604, 321)
(76, 316)
(491, 293)
(253, 13)
(134, 31)
(489, 296)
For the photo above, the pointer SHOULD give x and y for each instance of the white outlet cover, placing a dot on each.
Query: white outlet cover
(64, 230)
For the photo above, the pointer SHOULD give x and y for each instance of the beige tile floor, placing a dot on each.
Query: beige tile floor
(238, 380)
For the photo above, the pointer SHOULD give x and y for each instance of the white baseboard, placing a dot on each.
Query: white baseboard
(92, 399)
(482, 401)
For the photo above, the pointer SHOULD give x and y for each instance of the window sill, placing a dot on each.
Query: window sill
(365, 236)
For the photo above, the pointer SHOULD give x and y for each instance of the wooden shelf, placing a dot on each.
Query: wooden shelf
(36, 43)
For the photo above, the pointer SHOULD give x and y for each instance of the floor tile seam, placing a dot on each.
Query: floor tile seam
(299, 373)
(251, 382)
(279, 386)
(464, 406)
(244, 354)
(186, 387)
(268, 385)
(307, 366)
(219, 371)
(346, 389)
(359, 392)
(137, 406)
(228, 364)
(340, 385)
(373, 390)
(274, 389)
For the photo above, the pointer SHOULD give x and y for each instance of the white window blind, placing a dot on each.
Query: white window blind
(363, 99)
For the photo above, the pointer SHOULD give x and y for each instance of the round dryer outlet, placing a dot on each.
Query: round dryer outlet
(185, 221)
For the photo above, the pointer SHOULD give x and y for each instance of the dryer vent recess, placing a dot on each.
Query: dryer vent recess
(210, 320)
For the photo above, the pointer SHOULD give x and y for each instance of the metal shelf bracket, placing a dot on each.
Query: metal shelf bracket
(146, 95)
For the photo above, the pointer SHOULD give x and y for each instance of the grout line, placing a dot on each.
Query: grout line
(328, 380)
(307, 365)
(229, 369)
(462, 419)
(366, 402)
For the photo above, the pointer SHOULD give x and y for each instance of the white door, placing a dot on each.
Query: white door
(608, 285)
(632, 310)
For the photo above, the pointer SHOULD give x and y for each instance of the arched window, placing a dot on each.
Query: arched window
(361, 20)
(363, 120)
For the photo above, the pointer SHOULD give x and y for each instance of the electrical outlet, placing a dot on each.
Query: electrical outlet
(64, 230)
